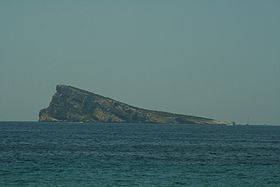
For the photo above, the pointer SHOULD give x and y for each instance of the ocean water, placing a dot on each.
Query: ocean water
(68, 154)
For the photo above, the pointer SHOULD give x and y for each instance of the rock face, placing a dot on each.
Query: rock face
(71, 104)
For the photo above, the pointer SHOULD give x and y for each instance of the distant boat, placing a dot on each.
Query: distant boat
(248, 121)
(232, 123)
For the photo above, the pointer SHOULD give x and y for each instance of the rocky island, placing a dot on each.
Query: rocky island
(70, 104)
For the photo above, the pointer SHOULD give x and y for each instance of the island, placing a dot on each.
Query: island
(70, 104)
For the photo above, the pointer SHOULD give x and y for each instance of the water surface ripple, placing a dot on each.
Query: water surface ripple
(68, 154)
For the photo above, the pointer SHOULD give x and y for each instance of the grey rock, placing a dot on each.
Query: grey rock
(71, 104)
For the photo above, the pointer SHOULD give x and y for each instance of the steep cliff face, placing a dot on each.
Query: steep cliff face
(75, 105)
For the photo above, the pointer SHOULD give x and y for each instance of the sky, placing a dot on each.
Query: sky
(217, 59)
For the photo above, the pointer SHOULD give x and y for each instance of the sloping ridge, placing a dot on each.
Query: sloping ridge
(72, 104)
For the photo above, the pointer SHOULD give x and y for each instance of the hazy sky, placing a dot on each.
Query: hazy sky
(218, 58)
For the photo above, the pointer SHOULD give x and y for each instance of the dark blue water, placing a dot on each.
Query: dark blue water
(60, 154)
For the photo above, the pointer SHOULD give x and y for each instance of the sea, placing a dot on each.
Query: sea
(87, 155)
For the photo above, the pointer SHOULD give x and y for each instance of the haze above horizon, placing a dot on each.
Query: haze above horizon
(217, 59)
